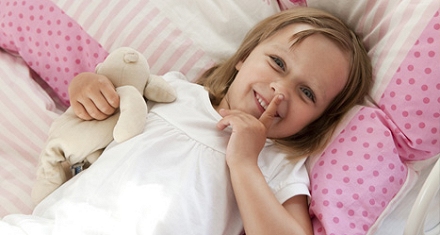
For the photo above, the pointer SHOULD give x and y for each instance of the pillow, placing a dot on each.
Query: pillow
(379, 152)
(27, 112)
(50, 42)
(173, 35)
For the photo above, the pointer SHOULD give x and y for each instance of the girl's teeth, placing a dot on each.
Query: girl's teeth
(261, 101)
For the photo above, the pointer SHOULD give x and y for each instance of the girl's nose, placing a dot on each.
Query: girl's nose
(281, 86)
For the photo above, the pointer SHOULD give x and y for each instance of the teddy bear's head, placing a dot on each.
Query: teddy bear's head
(125, 66)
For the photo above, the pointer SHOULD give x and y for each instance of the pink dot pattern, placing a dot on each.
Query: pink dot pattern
(412, 98)
(361, 171)
(50, 42)
(357, 175)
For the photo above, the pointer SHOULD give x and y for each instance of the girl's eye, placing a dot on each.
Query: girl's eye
(309, 93)
(279, 62)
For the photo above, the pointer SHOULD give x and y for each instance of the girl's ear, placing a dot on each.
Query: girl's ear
(238, 65)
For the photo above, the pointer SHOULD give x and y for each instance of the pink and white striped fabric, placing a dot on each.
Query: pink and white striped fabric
(173, 35)
(144, 27)
(27, 112)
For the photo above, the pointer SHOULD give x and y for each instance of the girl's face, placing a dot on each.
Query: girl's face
(308, 75)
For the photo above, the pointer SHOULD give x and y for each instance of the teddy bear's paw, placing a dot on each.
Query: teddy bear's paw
(159, 90)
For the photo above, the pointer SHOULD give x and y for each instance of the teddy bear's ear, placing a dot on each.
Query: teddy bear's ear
(159, 90)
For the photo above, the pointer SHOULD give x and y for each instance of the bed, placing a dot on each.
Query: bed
(378, 175)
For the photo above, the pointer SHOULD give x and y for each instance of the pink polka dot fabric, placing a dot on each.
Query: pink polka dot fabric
(367, 164)
(412, 98)
(50, 42)
(357, 176)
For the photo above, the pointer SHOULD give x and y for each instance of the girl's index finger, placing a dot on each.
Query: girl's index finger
(268, 116)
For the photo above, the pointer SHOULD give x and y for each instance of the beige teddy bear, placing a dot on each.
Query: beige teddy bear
(72, 140)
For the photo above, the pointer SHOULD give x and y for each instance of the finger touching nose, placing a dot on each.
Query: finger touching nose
(271, 112)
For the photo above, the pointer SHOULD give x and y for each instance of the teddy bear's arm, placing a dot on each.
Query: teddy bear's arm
(133, 114)
(159, 90)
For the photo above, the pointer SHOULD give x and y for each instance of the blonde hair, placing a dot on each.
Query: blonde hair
(315, 135)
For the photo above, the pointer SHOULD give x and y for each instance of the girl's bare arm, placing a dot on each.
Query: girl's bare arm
(260, 210)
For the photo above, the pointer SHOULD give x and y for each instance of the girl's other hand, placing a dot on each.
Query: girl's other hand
(93, 96)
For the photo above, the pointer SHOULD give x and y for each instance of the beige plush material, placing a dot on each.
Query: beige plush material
(72, 140)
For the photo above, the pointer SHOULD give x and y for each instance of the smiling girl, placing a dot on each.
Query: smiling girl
(229, 153)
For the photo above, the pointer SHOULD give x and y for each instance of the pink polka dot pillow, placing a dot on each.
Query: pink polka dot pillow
(379, 151)
(49, 41)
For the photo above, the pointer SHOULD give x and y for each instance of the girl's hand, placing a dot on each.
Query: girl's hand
(248, 133)
(93, 96)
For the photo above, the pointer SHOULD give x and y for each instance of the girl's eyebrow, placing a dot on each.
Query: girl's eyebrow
(280, 48)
